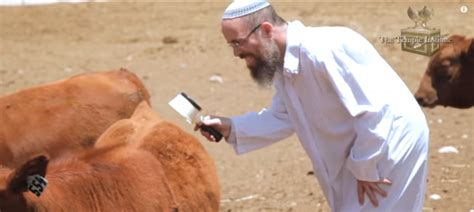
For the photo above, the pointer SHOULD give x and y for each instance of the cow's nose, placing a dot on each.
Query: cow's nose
(420, 100)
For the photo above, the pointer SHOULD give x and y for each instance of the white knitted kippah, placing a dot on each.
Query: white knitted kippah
(239, 8)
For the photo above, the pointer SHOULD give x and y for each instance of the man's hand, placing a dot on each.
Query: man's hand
(220, 124)
(371, 188)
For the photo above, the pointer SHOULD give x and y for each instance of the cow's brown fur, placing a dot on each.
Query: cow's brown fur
(449, 77)
(138, 164)
(190, 170)
(68, 114)
(113, 179)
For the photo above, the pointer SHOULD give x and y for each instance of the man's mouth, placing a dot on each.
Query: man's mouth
(250, 61)
(242, 56)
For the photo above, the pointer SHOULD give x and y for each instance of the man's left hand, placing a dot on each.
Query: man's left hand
(371, 188)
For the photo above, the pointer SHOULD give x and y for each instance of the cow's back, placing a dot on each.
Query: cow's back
(108, 179)
(188, 167)
(65, 115)
(190, 170)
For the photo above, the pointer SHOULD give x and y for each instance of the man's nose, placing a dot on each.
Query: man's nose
(236, 51)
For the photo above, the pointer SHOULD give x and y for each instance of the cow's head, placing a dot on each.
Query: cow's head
(13, 184)
(449, 77)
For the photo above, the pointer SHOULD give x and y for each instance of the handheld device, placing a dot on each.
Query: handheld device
(190, 110)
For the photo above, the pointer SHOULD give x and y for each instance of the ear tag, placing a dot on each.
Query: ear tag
(36, 184)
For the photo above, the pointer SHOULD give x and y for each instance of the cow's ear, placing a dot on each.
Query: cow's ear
(17, 181)
(470, 51)
(467, 53)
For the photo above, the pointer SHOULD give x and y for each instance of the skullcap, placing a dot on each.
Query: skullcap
(239, 8)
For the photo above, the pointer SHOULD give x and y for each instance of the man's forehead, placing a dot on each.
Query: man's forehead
(232, 28)
(236, 24)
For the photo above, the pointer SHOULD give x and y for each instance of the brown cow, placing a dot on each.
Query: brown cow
(110, 179)
(188, 167)
(449, 78)
(68, 114)
(138, 164)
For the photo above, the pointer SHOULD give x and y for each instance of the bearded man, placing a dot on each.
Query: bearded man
(365, 134)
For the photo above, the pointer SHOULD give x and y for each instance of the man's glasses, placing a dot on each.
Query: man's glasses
(239, 41)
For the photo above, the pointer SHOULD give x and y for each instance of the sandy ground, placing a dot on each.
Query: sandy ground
(39, 44)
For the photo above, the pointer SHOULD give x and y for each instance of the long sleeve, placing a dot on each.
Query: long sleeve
(256, 130)
(351, 69)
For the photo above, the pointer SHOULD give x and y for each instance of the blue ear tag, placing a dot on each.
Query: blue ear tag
(36, 184)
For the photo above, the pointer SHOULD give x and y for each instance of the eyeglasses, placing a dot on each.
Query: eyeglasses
(236, 43)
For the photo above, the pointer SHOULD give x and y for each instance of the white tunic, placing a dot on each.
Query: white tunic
(353, 115)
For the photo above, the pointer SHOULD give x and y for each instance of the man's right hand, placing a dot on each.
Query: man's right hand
(221, 124)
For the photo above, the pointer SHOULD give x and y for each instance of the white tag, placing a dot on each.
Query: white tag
(36, 184)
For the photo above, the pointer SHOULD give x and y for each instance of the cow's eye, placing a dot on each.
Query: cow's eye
(446, 63)
(441, 77)
(449, 62)
(455, 61)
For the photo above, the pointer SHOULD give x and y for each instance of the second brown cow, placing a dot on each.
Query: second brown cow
(65, 115)
(449, 77)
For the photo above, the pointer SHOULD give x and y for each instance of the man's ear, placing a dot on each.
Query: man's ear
(17, 181)
(267, 28)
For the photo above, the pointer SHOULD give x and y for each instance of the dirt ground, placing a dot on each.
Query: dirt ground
(177, 47)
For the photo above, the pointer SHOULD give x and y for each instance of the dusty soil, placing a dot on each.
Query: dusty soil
(177, 47)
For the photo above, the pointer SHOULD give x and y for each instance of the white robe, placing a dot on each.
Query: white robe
(353, 115)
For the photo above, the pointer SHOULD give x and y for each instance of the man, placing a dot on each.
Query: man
(360, 125)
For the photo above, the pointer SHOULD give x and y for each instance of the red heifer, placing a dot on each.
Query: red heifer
(449, 78)
(190, 170)
(138, 164)
(111, 179)
(64, 115)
